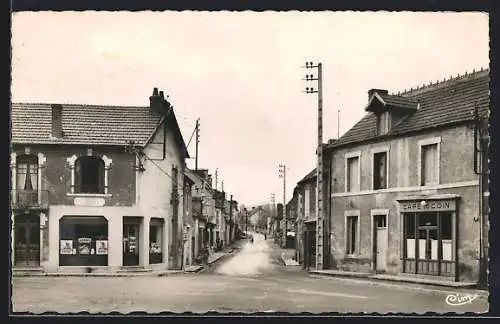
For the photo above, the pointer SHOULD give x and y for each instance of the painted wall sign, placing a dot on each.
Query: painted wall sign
(428, 205)
(89, 201)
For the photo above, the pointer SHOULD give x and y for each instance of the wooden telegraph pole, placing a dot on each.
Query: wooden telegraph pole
(319, 168)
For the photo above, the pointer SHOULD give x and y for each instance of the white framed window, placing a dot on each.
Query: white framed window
(383, 122)
(380, 168)
(89, 174)
(429, 152)
(353, 172)
(352, 232)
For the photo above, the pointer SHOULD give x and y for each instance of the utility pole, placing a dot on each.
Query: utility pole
(231, 219)
(319, 167)
(273, 215)
(338, 124)
(282, 174)
(216, 174)
(197, 143)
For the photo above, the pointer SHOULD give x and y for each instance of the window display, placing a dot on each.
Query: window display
(83, 241)
(155, 241)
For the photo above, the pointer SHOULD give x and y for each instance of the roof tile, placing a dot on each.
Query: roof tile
(83, 124)
(444, 103)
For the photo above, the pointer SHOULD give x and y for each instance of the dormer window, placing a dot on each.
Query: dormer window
(388, 109)
(383, 122)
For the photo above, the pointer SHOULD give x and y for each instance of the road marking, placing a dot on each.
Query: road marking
(324, 293)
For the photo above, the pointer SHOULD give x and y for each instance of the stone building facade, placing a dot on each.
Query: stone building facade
(96, 188)
(406, 186)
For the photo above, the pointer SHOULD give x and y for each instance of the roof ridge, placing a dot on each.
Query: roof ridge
(75, 105)
(445, 82)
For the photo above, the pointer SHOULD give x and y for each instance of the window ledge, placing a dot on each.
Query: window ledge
(352, 256)
(89, 195)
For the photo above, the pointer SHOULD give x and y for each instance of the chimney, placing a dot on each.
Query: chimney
(156, 101)
(57, 130)
(371, 92)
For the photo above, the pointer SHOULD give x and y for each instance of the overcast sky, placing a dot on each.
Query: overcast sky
(240, 73)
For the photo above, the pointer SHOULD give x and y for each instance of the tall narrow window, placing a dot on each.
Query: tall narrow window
(27, 179)
(89, 175)
(380, 170)
(352, 235)
(352, 174)
(429, 165)
(383, 123)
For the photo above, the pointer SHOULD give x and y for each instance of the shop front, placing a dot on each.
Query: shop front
(83, 241)
(430, 235)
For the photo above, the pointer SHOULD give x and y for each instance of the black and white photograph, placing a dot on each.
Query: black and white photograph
(250, 162)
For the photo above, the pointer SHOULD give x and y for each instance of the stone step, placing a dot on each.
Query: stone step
(134, 269)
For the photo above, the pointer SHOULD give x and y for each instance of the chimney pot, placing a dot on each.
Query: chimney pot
(57, 130)
(155, 91)
(371, 92)
(161, 95)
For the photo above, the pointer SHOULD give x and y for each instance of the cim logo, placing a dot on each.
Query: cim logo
(458, 300)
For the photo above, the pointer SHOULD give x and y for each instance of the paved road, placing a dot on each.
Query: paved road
(252, 281)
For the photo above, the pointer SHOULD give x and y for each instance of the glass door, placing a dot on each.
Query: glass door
(130, 244)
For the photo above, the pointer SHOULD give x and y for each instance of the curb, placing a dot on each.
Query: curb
(342, 275)
(412, 285)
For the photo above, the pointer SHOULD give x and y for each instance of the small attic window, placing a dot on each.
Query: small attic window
(383, 122)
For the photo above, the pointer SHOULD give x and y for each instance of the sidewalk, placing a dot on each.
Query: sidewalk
(212, 259)
(394, 278)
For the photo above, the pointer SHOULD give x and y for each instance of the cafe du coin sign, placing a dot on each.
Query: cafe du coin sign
(428, 205)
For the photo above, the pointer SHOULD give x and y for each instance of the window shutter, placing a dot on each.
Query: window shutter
(101, 176)
(78, 176)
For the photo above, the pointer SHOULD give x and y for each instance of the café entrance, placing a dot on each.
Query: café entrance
(429, 231)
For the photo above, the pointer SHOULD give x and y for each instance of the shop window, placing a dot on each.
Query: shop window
(380, 170)
(429, 165)
(409, 224)
(156, 241)
(446, 236)
(352, 178)
(83, 241)
(89, 175)
(352, 235)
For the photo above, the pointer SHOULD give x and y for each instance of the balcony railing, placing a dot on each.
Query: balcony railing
(30, 198)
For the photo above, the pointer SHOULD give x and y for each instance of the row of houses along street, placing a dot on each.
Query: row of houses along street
(405, 189)
(107, 189)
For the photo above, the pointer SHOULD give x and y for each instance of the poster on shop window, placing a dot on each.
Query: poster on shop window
(101, 247)
(84, 245)
(131, 244)
(66, 247)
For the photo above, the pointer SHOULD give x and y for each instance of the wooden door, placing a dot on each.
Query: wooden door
(27, 246)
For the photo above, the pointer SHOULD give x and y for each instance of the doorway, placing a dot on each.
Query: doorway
(380, 242)
(309, 249)
(193, 249)
(27, 241)
(131, 228)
